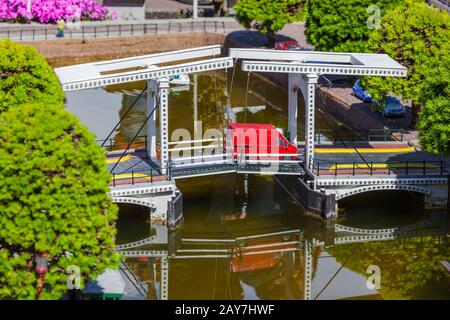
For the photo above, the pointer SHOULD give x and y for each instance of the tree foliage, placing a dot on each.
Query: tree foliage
(342, 25)
(268, 16)
(418, 37)
(434, 118)
(406, 265)
(53, 201)
(26, 77)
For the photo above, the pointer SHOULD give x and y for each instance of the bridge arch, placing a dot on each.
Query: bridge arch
(351, 192)
(131, 200)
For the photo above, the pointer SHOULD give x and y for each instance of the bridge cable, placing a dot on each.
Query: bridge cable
(333, 277)
(132, 166)
(135, 136)
(246, 97)
(120, 120)
(345, 145)
(231, 84)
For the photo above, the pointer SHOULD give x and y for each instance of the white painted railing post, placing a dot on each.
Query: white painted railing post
(151, 125)
(164, 123)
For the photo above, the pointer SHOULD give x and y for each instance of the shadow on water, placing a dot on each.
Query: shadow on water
(133, 223)
(382, 209)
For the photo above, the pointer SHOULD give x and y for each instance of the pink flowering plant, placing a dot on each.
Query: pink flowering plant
(50, 11)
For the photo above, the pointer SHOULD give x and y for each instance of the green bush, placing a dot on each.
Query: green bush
(418, 37)
(53, 201)
(341, 25)
(434, 118)
(26, 77)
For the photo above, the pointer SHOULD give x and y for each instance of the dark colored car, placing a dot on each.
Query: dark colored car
(392, 108)
(360, 92)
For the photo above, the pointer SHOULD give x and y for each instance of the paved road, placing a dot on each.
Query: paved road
(384, 159)
(380, 161)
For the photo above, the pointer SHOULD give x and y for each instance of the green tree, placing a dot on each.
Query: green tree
(434, 118)
(53, 201)
(26, 77)
(268, 16)
(343, 25)
(418, 37)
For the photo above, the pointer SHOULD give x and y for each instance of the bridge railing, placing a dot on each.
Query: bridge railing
(26, 32)
(358, 135)
(391, 167)
(236, 158)
(133, 177)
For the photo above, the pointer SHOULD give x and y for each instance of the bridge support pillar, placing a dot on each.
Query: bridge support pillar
(164, 124)
(308, 87)
(293, 107)
(163, 198)
(151, 124)
(438, 196)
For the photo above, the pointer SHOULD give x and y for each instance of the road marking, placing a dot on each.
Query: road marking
(364, 150)
(114, 160)
(134, 175)
(380, 166)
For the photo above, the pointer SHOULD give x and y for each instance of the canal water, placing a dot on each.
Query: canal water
(242, 237)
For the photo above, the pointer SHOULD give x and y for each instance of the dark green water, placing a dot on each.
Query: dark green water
(243, 214)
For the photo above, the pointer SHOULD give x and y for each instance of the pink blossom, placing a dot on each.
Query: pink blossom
(50, 11)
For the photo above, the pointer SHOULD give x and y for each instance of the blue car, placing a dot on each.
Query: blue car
(392, 108)
(358, 91)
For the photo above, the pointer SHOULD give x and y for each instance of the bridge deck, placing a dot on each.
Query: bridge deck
(380, 159)
(133, 168)
(136, 167)
(330, 160)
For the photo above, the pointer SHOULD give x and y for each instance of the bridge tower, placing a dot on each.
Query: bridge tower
(317, 192)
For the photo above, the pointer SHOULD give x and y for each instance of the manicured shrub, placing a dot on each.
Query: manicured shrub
(25, 77)
(53, 201)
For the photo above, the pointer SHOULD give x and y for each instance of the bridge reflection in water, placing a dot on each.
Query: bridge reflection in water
(282, 255)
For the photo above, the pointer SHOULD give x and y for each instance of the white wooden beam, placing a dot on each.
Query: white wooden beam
(141, 61)
(322, 68)
(145, 74)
